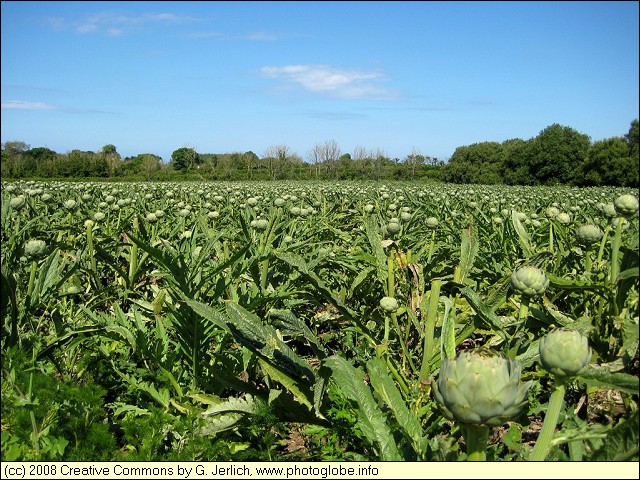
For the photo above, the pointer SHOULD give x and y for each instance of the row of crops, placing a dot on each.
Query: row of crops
(318, 321)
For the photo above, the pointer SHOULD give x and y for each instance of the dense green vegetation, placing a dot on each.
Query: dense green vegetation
(557, 155)
(319, 320)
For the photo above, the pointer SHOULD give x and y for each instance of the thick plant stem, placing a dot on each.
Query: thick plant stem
(432, 312)
(391, 287)
(32, 277)
(603, 244)
(133, 256)
(543, 444)
(32, 416)
(90, 249)
(524, 309)
(476, 438)
(431, 247)
(587, 261)
(615, 252)
(523, 312)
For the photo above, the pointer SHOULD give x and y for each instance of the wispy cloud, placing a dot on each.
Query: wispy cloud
(335, 115)
(21, 105)
(210, 34)
(481, 103)
(345, 83)
(263, 36)
(258, 36)
(39, 106)
(116, 24)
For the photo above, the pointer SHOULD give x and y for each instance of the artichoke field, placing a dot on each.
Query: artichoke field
(365, 321)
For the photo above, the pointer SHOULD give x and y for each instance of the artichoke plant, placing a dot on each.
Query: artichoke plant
(626, 205)
(480, 389)
(432, 222)
(389, 304)
(17, 202)
(35, 248)
(564, 353)
(529, 281)
(588, 234)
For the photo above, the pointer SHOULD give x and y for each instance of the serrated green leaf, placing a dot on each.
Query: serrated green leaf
(287, 382)
(615, 381)
(621, 444)
(484, 312)
(386, 389)
(448, 332)
(244, 405)
(521, 231)
(219, 423)
(371, 419)
(468, 251)
(371, 229)
(574, 284)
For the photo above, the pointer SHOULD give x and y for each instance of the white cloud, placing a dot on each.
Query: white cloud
(116, 24)
(21, 105)
(346, 83)
(263, 36)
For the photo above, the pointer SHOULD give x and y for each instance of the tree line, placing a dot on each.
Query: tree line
(557, 155)
(279, 162)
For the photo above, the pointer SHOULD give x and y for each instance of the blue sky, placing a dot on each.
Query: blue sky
(152, 77)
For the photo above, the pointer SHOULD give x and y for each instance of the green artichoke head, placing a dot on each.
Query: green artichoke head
(17, 202)
(588, 234)
(564, 352)
(563, 218)
(529, 280)
(35, 249)
(552, 212)
(626, 205)
(480, 387)
(432, 222)
(389, 304)
(260, 223)
(609, 210)
(393, 226)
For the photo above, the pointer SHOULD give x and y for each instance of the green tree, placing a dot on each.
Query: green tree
(34, 159)
(251, 161)
(633, 140)
(414, 161)
(185, 159)
(557, 154)
(476, 163)
(516, 162)
(12, 157)
(608, 163)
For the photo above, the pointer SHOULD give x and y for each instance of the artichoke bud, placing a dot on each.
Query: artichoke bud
(35, 249)
(480, 387)
(530, 281)
(588, 234)
(565, 353)
(393, 227)
(432, 222)
(17, 202)
(389, 304)
(626, 205)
